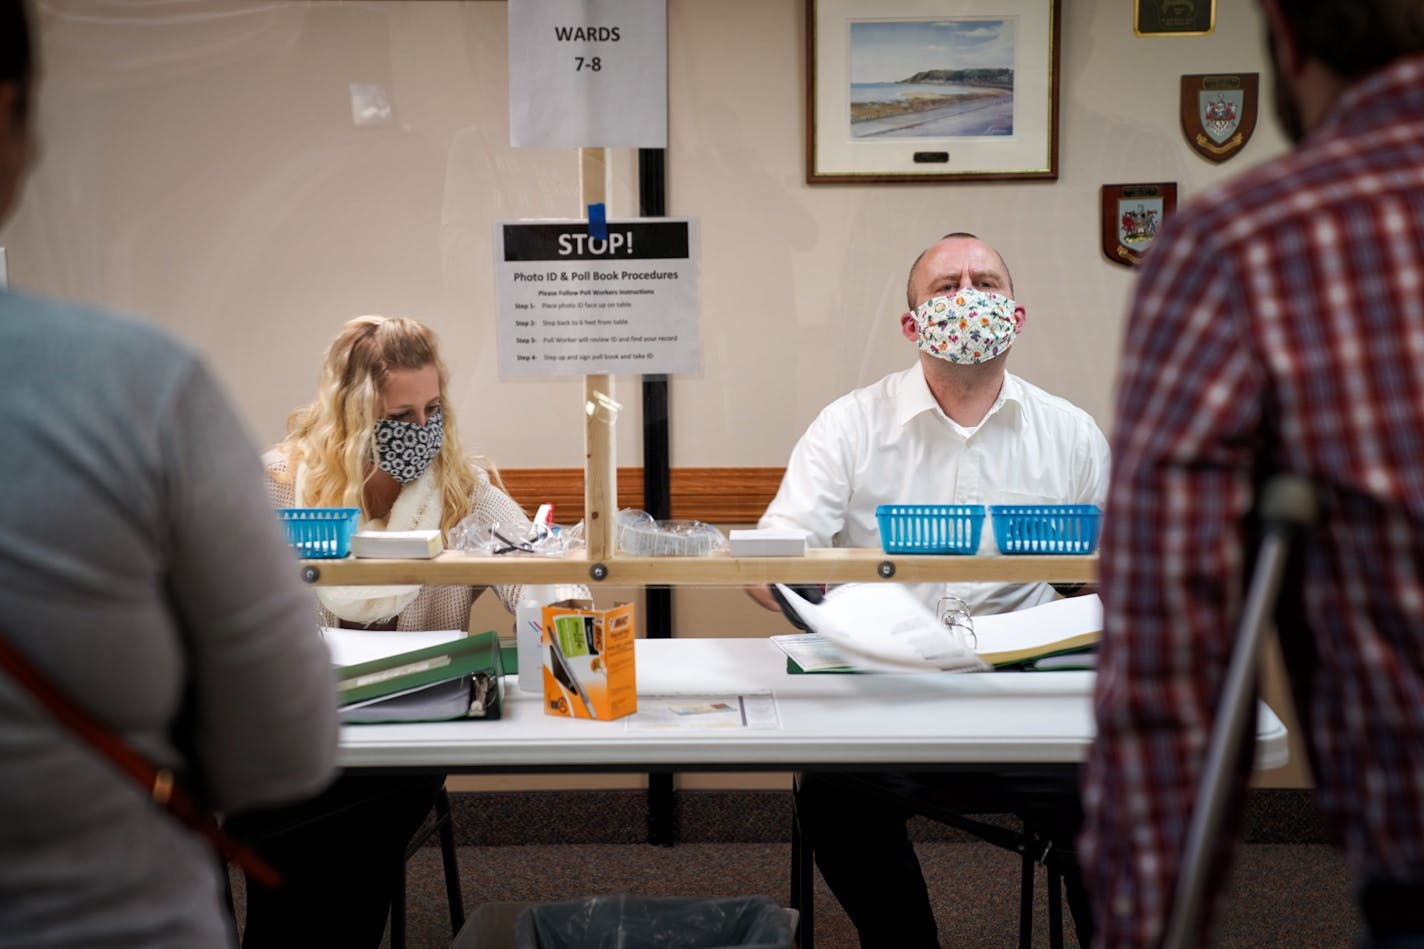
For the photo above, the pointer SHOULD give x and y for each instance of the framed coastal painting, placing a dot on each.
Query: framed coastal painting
(931, 90)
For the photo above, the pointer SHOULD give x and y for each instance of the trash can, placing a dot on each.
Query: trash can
(613, 922)
(490, 926)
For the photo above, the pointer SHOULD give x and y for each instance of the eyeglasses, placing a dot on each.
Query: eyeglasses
(511, 546)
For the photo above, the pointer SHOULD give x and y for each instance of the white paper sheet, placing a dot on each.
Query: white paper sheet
(704, 712)
(588, 73)
(812, 652)
(350, 646)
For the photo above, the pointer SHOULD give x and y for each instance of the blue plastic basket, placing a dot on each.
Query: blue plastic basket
(320, 532)
(930, 528)
(1046, 528)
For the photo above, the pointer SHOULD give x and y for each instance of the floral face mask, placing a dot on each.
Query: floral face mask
(404, 449)
(967, 326)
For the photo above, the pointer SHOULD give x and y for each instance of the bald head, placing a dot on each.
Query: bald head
(957, 260)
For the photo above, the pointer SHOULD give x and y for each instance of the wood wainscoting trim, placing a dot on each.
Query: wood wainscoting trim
(712, 495)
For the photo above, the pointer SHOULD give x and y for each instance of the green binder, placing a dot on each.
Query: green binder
(418, 669)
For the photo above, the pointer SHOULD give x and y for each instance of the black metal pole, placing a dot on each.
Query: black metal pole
(657, 494)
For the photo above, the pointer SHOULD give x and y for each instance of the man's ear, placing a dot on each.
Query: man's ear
(908, 329)
(1020, 317)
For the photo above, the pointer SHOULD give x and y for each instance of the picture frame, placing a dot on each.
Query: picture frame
(1173, 17)
(931, 90)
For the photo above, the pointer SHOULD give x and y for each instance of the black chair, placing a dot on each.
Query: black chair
(443, 824)
(1035, 849)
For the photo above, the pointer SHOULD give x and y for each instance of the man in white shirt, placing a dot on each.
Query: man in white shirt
(943, 432)
(956, 428)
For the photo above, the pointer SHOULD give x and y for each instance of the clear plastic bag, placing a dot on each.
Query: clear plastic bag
(616, 922)
(473, 536)
(641, 535)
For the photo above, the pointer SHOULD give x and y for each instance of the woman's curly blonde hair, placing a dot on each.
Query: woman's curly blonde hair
(334, 436)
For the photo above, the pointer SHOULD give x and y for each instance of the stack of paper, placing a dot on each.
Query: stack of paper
(1058, 627)
(882, 627)
(412, 545)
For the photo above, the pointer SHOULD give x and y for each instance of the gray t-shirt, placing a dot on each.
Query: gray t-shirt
(140, 567)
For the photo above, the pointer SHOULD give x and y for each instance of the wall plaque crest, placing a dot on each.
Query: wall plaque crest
(1132, 215)
(1219, 113)
(1173, 17)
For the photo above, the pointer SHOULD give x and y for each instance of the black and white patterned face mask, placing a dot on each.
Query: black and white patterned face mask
(404, 449)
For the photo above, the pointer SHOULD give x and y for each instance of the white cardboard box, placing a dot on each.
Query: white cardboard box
(413, 545)
(768, 542)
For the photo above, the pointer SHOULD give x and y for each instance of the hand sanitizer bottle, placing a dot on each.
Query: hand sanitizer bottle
(528, 632)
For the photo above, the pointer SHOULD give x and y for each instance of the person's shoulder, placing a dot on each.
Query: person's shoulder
(276, 461)
(489, 498)
(1039, 401)
(88, 327)
(859, 409)
(1275, 193)
(880, 392)
(480, 472)
(484, 484)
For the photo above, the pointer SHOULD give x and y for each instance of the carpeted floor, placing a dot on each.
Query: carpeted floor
(1290, 896)
(1288, 888)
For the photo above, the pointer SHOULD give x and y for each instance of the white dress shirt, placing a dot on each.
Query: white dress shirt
(890, 443)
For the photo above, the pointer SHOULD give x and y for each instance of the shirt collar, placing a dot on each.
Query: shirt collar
(1010, 404)
(914, 398)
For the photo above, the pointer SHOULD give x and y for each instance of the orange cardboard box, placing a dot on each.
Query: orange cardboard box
(589, 660)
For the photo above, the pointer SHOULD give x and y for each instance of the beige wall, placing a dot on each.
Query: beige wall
(200, 165)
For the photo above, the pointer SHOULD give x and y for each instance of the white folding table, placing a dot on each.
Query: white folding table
(823, 721)
(827, 720)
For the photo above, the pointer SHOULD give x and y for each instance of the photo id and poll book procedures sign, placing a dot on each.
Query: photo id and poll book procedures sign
(571, 304)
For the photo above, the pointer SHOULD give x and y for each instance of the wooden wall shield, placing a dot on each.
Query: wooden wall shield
(1131, 217)
(1219, 113)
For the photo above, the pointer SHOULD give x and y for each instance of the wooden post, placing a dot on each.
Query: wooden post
(600, 486)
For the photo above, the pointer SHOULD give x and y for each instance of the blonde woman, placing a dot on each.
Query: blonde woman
(380, 436)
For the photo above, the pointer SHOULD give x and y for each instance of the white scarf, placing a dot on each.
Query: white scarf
(417, 507)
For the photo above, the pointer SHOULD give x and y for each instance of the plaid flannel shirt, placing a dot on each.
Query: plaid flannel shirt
(1278, 325)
